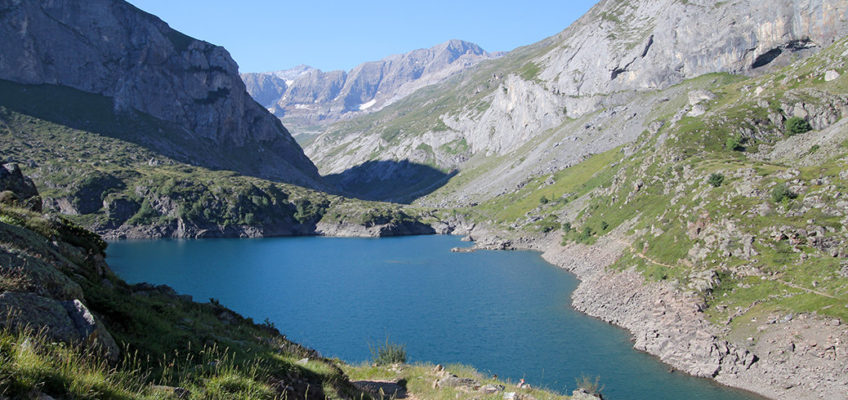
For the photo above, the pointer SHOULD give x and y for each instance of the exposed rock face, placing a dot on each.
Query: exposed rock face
(110, 48)
(306, 96)
(380, 230)
(653, 44)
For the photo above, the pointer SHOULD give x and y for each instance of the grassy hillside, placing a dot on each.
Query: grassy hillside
(744, 205)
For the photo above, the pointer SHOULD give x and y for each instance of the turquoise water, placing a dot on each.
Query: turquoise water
(506, 313)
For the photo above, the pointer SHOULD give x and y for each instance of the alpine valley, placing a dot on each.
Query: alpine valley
(685, 159)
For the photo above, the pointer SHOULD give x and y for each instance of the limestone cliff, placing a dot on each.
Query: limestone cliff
(110, 48)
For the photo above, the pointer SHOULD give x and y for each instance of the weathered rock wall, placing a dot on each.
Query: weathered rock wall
(110, 48)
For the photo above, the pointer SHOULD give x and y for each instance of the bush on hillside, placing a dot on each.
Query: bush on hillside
(389, 353)
(781, 192)
(797, 125)
(716, 180)
(733, 143)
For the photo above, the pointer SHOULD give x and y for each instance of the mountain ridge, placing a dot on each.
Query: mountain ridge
(304, 96)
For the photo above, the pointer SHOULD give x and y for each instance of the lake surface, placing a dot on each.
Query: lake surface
(505, 313)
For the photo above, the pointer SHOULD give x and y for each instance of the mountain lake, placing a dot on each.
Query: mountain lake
(502, 312)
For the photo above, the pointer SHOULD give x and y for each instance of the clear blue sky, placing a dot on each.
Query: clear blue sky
(267, 35)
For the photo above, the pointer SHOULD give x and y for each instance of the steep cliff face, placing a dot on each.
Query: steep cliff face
(305, 96)
(112, 49)
(582, 91)
(622, 45)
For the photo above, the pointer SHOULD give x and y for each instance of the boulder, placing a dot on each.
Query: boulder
(453, 381)
(831, 75)
(66, 321)
(582, 394)
(491, 389)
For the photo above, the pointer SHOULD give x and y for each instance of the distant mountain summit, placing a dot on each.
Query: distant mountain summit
(304, 96)
(112, 49)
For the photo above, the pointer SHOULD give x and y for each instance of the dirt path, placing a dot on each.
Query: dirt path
(811, 291)
(650, 260)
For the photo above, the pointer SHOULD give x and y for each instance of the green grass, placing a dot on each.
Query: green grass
(574, 181)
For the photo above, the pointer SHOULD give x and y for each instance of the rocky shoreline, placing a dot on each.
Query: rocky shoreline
(789, 357)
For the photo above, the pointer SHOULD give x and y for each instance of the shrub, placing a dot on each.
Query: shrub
(543, 200)
(797, 125)
(781, 193)
(604, 225)
(389, 353)
(716, 180)
(733, 143)
(586, 234)
(566, 227)
(548, 224)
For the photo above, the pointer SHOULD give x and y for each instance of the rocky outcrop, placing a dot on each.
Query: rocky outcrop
(16, 189)
(112, 49)
(36, 290)
(305, 96)
(403, 228)
(66, 321)
(653, 44)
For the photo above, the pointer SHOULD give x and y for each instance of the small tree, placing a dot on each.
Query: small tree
(566, 227)
(543, 200)
(716, 180)
(604, 225)
(797, 125)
